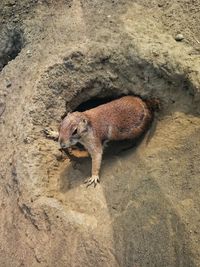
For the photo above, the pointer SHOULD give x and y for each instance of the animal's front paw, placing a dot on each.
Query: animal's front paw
(49, 133)
(92, 180)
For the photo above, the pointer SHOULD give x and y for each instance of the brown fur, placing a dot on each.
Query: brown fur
(125, 118)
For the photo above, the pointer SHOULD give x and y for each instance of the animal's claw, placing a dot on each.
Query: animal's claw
(92, 180)
(49, 133)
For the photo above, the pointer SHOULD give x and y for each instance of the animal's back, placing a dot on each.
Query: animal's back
(124, 118)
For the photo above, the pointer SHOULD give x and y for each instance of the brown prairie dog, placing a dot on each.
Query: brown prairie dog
(125, 118)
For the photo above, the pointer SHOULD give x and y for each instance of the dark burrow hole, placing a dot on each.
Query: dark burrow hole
(95, 102)
(11, 44)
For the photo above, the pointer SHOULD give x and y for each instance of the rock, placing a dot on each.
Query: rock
(8, 84)
(29, 54)
(179, 37)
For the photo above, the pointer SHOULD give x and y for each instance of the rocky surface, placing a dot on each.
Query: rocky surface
(145, 211)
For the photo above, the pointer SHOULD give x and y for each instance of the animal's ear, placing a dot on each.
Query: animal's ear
(83, 126)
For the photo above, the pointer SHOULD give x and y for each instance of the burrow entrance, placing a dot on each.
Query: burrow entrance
(95, 102)
(11, 44)
(89, 81)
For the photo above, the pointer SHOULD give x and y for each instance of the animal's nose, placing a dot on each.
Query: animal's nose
(63, 145)
(61, 141)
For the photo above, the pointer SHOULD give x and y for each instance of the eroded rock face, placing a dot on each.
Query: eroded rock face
(145, 210)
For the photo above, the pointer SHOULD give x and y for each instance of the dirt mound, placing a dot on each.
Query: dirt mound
(145, 212)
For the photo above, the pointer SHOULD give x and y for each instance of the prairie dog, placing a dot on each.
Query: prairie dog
(125, 118)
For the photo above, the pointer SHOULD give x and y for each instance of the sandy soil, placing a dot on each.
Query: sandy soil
(54, 56)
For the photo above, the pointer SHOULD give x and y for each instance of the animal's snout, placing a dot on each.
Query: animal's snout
(63, 145)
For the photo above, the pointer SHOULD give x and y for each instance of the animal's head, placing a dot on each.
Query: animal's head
(73, 127)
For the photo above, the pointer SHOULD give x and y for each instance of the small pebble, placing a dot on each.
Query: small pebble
(8, 84)
(29, 53)
(179, 37)
(27, 140)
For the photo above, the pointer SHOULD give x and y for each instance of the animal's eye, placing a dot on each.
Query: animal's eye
(74, 132)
